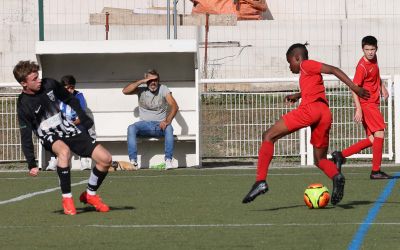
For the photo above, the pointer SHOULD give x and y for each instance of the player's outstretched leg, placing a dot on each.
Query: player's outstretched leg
(338, 188)
(260, 187)
(338, 159)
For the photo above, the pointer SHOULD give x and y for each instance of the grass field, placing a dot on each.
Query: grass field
(198, 209)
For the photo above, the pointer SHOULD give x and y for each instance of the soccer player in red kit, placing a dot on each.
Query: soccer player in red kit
(367, 111)
(313, 111)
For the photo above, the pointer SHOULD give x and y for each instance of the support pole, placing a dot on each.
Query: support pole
(175, 20)
(107, 24)
(41, 20)
(168, 20)
(396, 97)
(206, 50)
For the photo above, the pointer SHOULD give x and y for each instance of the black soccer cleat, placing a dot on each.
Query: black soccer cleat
(379, 175)
(338, 188)
(338, 159)
(260, 187)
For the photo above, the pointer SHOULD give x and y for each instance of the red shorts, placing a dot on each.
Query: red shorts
(372, 118)
(316, 115)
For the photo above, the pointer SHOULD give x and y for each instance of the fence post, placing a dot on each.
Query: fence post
(396, 97)
(41, 20)
(303, 151)
(390, 118)
(310, 148)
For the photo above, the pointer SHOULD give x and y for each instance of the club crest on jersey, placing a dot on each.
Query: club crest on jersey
(51, 95)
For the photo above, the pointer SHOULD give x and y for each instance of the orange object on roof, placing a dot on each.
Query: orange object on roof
(243, 9)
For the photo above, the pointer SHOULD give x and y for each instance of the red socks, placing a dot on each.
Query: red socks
(355, 148)
(328, 167)
(377, 147)
(264, 159)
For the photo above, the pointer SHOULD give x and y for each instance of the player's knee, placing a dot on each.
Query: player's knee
(379, 134)
(318, 158)
(267, 136)
(106, 160)
(64, 154)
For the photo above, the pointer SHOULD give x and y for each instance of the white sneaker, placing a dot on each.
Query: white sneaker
(86, 163)
(135, 164)
(169, 164)
(52, 164)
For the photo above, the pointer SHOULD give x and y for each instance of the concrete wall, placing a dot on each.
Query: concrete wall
(333, 28)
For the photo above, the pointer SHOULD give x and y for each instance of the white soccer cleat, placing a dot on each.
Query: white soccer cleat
(169, 164)
(52, 164)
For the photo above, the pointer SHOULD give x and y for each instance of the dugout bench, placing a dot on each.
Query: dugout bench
(103, 68)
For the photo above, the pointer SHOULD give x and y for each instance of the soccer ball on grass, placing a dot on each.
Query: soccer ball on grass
(316, 196)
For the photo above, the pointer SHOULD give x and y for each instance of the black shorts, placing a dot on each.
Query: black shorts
(81, 144)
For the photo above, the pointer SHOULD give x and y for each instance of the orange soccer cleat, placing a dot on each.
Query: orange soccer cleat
(68, 205)
(95, 201)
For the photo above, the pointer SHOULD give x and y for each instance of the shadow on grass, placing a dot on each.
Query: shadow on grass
(92, 209)
(279, 208)
(349, 205)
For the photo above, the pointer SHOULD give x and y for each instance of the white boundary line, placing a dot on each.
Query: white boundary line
(238, 225)
(30, 195)
(181, 175)
(146, 226)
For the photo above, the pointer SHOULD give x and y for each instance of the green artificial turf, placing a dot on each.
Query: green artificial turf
(196, 209)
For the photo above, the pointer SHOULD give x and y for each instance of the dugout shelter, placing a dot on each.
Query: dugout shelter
(103, 68)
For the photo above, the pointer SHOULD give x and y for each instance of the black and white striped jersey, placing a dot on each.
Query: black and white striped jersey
(40, 113)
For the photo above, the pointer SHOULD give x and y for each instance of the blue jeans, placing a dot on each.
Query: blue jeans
(149, 129)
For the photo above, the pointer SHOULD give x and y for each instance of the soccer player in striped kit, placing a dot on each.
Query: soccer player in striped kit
(38, 111)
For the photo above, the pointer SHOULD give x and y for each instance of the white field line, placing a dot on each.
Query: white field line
(145, 226)
(30, 195)
(180, 175)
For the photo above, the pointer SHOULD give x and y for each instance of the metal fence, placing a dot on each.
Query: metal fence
(10, 140)
(232, 122)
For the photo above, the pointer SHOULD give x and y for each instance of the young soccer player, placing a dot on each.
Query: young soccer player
(38, 111)
(367, 111)
(313, 111)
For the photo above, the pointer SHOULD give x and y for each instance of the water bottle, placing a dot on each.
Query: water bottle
(160, 166)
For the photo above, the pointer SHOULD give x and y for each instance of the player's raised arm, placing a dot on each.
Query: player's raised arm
(329, 69)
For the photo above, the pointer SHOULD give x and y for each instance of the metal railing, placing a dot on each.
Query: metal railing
(232, 122)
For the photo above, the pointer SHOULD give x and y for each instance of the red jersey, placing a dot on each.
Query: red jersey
(367, 76)
(311, 83)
